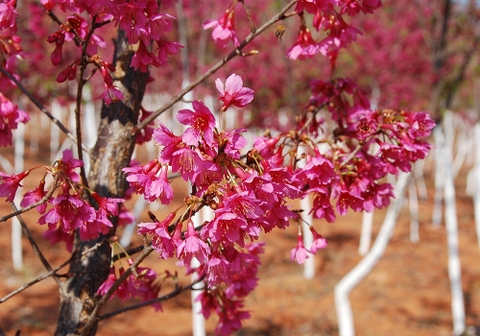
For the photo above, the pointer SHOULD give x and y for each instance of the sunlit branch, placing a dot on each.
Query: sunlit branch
(42, 108)
(49, 274)
(236, 52)
(33, 205)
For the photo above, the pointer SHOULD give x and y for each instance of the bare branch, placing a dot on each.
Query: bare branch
(49, 274)
(41, 107)
(32, 241)
(172, 294)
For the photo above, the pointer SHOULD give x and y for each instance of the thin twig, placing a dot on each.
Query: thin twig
(78, 106)
(236, 52)
(172, 294)
(49, 274)
(32, 241)
(42, 108)
(33, 205)
(94, 315)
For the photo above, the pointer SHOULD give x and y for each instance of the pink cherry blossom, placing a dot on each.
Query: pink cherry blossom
(223, 29)
(66, 166)
(111, 94)
(161, 239)
(192, 246)
(10, 183)
(35, 195)
(70, 212)
(200, 122)
(233, 92)
(304, 46)
(299, 253)
(10, 116)
(7, 16)
(150, 180)
(318, 241)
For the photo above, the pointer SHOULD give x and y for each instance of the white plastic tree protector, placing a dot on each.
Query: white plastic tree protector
(413, 204)
(365, 266)
(454, 271)
(476, 174)
(309, 266)
(366, 233)
(439, 176)
(17, 255)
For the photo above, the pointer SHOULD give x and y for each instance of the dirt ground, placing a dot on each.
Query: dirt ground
(408, 292)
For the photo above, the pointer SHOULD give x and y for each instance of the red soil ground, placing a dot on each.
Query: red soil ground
(407, 293)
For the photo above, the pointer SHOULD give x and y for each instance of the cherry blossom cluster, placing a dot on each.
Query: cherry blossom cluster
(10, 52)
(250, 194)
(66, 210)
(143, 285)
(328, 16)
(144, 26)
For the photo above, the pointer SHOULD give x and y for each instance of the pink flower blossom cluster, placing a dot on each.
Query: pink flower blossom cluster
(68, 211)
(224, 28)
(250, 195)
(10, 116)
(141, 21)
(328, 16)
(10, 51)
(143, 285)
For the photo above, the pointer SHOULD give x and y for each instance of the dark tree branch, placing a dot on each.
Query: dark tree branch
(41, 107)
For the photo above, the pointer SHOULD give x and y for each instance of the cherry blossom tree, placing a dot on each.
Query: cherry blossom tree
(248, 189)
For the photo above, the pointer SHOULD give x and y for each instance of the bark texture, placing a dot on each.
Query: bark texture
(112, 152)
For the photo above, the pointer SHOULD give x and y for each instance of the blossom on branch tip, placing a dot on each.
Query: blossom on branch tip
(66, 166)
(10, 183)
(111, 94)
(304, 46)
(299, 253)
(10, 116)
(233, 92)
(7, 16)
(223, 29)
(35, 195)
(318, 241)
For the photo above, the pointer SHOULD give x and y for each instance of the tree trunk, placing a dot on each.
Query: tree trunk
(112, 152)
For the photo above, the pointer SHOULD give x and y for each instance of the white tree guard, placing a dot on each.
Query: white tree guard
(367, 218)
(439, 176)
(476, 174)
(365, 266)
(366, 233)
(464, 146)
(140, 205)
(413, 205)
(54, 130)
(309, 265)
(89, 126)
(198, 321)
(17, 255)
(418, 169)
(454, 271)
